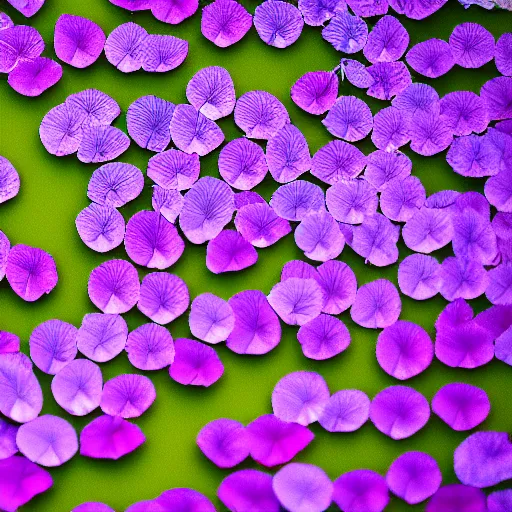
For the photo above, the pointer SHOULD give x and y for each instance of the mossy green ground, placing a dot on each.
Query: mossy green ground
(53, 191)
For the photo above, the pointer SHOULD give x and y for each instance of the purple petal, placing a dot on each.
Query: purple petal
(317, 12)
(257, 329)
(464, 112)
(211, 318)
(9, 180)
(248, 489)
(273, 441)
(163, 297)
(9, 343)
(32, 78)
(338, 284)
(102, 143)
(497, 95)
(27, 7)
(78, 41)
(457, 498)
(259, 114)
(298, 268)
(124, 47)
(499, 501)
(163, 53)
(168, 203)
(387, 41)
(350, 118)
(418, 276)
(402, 198)
(183, 500)
(296, 300)
(383, 166)
(414, 477)
(5, 21)
(432, 58)
(31, 272)
(361, 490)
(346, 411)
(150, 347)
(390, 129)
(114, 286)
(300, 397)
(225, 442)
(430, 134)
(93, 506)
(132, 5)
(499, 290)
(259, 225)
(109, 437)
(399, 411)
(296, 200)
(18, 44)
(209, 206)
(128, 396)
(473, 156)
(461, 278)
(503, 347)
(278, 23)
(229, 252)
(48, 440)
(102, 337)
(173, 11)
(225, 22)
(8, 445)
(100, 227)
(417, 9)
(195, 364)
(499, 191)
(461, 406)
(442, 199)
(356, 73)
(148, 120)
(428, 230)
(96, 107)
(503, 54)
(377, 305)
(417, 98)
(78, 386)
(346, 33)
(337, 161)
(303, 488)
(484, 459)
(242, 163)
(404, 350)
(472, 45)
(174, 170)
(389, 79)
(288, 153)
(212, 92)
(316, 91)
(115, 184)
(61, 130)
(20, 481)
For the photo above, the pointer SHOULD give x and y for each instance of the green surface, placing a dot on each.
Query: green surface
(53, 191)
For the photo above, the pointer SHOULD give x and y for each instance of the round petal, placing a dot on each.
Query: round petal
(211, 319)
(390, 129)
(430, 134)
(174, 170)
(346, 411)
(150, 347)
(472, 45)
(347, 33)
(457, 498)
(350, 118)
(162, 53)
(317, 12)
(95, 107)
(417, 98)
(338, 283)
(9, 180)
(497, 94)
(432, 58)
(389, 79)
(32, 78)
(316, 91)
(229, 251)
(384, 166)
(503, 55)
(418, 276)
(387, 41)
(101, 144)
(19, 43)
(427, 230)
(402, 198)
(351, 201)
(464, 112)
(61, 130)
(173, 11)
(467, 279)
(168, 203)
(124, 47)
(361, 490)
(298, 199)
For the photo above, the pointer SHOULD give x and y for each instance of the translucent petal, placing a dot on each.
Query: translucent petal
(387, 41)
(298, 199)
(102, 143)
(150, 347)
(346, 33)
(323, 337)
(350, 118)
(229, 252)
(316, 91)
(346, 411)
(32, 78)
(211, 318)
(472, 45)
(124, 47)
(418, 276)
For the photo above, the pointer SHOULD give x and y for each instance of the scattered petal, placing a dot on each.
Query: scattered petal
(338, 284)
(174, 170)
(417, 98)
(427, 230)
(457, 498)
(174, 11)
(9, 180)
(102, 143)
(18, 44)
(432, 58)
(472, 45)
(503, 55)
(32, 78)
(95, 107)
(418, 276)
(150, 347)
(229, 251)
(387, 41)
(383, 166)
(390, 129)
(316, 91)
(347, 33)
(346, 411)
(389, 79)
(464, 112)
(350, 118)
(61, 130)
(361, 490)
(461, 278)
(497, 95)
(168, 203)
(211, 318)
(124, 47)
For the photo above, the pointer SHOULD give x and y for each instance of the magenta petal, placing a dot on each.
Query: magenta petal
(102, 337)
(182, 500)
(132, 5)
(225, 22)
(174, 170)
(5, 21)
(338, 283)
(53, 345)
(114, 286)
(195, 364)
(27, 7)
(431, 58)
(387, 41)
(296, 200)
(47, 440)
(124, 47)
(128, 396)
(404, 350)
(414, 477)
(173, 11)
(115, 184)
(503, 55)
(317, 12)
(9, 180)
(150, 347)
(209, 206)
(9, 343)
(20, 481)
(428, 229)
(503, 347)
(8, 445)
(31, 272)
(260, 115)
(61, 130)
(361, 490)
(382, 167)
(300, 397)
(390, 129)
(168, 203)
(462, 406)
(211, 318)
(32, 78)
(399, 411)
(499, 501)
(162, 53)
(299, 268)
(148, 120)
(346, 33)
(248, 489)
(350, 119)
(303, 488)
(315, 92)
(78, 386)
(163, 297)
(109, 437)
(257, 329)
(457, 498)
(472, 45)
(225, 442)
(346, 411)
(274, 442)
(19, 43)
(97, 108)
(229, 252)
(101, 144)
(78, 41)
(484, 459)
(418, 276)
(93, 506)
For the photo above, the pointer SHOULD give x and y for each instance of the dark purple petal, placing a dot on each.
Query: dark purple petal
(8, 445)
(432, 58)
(346, 411)
(350, 118)
(472, 45)
(368, 8)
(124, 47)
(503, 347)
(150, 347)
(346, 33)
(102, 143)
(173, 11)
(497, 95)
(337, 161)
(416, 9)
(457, 498)
(211, 318)
(229, 251)
(316, 91)
(418, 276)
(61, 130)
(387, 41)
(32, 78)
(417, 98)
(361, 490)
(473, 156)
(499, 501)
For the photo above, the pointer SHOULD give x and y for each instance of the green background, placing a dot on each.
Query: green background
(53, 191)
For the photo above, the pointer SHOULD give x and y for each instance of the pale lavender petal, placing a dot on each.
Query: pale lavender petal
(174, 170)
(162, 53)
(346, 411)
(61, 130)
(338, 284)
(472, 45)
(402, 198)
(323, 337)
(173, 11)
(361, 490)
(350, 118)
(465, 112)
(461, 278)
(383, 166)
(102, 143)
(387, 41)
(346, 33)
(432, 58)
(298, 199)
(211, 318)
(32, 78)
(428, 230)
(9, 180)
(316, 91)
(124, 47)
(474, 156)
(418, 276)
(96, 107)
(389, 79)
(150, 347)
(229, 251)
(168, 203)
(390, 129)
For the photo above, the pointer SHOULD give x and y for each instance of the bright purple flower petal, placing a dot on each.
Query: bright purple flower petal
(444, 199)
(432, 58)
(110, 437)
(211, 318)
(5, 21)
(9, 180)
(18, 44)
(93, 506)
(32, 78)
(317, 12)
(473, 156)
(168, 203)
(418, 276)
(225, 22)
(150, 347)
(417, 98)
(114, 286)
(402, 198)
(499, 501)
(430, 134)
(61, 130)
(316, 91)
(162, 53)
(368, 8)
(209, 206)
(300, 397)
(350, 118)
(499, 191)
(195, 364)
(503, 347)
(387, 41)
(78, 386)
(414, 477)
(182, 500)
(27, 7)
(356, 73)
(298, 199)
(96, 107)
(338, 284)
(174, 170)
(503, 54)
(8, 445)
(31, 272)
(9, 343)
(389, 79)
(229, 252)
(497, 95)
(132, 5)
(416, 9)
(499, 290)
(383, 166)
(163, 297)
(457, 498)
(352, 201)
(361, 490)
(472, 45)
(461, 278)
(346, 33)
(124, 47)
(464, 112)
(102, 143)
(174, 11)
(257, 329)
(428, 230)
(390, 129)
(346, 411)
(102, 337)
